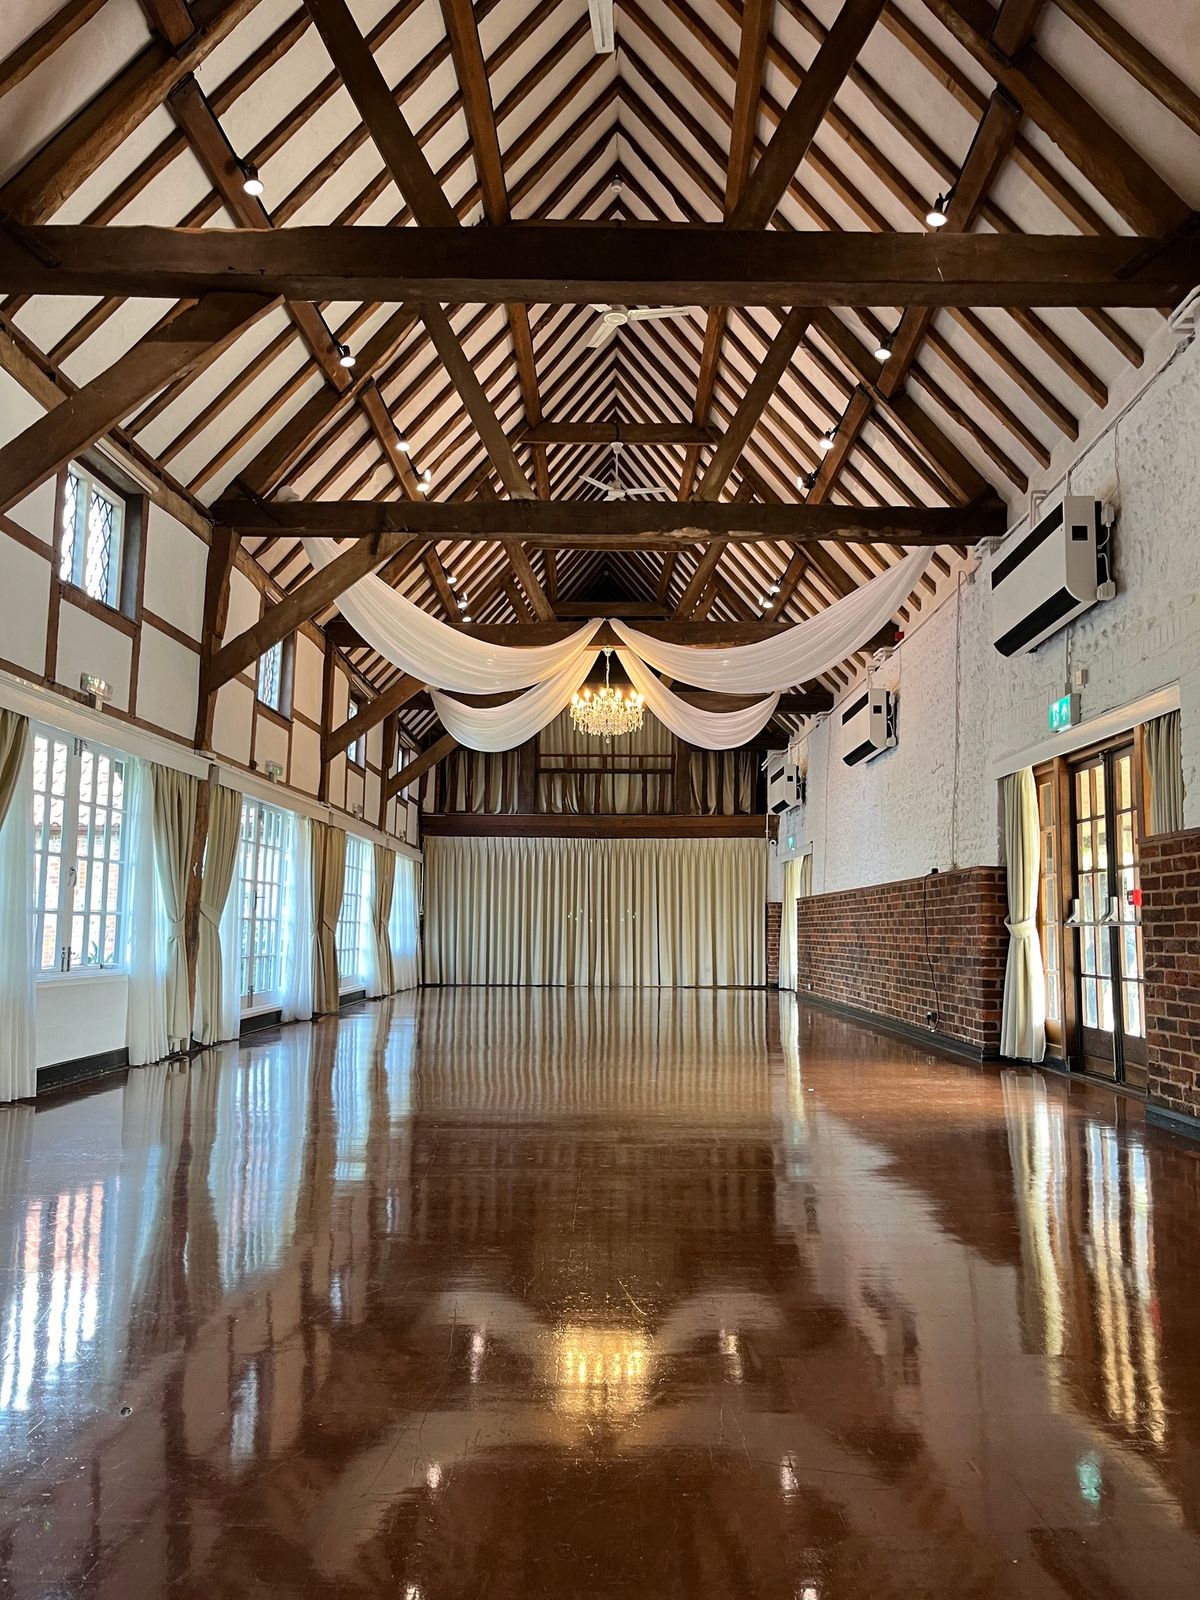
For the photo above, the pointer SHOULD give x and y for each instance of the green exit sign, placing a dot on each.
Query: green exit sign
(1063, 712)
(791, 841)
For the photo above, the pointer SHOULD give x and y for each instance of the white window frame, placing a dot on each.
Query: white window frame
(70, 957)
(274, 654)
(352, 919)
(261, 875)
(356, 752)
(73, 559)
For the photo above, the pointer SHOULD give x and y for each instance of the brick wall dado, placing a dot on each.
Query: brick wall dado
(1170, 874)
(774, 924)
(866, 948)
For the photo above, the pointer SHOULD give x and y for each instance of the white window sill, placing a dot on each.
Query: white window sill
(83, 975)
(261, 1004)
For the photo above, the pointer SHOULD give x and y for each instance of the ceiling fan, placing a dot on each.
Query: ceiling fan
(614, 489)
(614, 317)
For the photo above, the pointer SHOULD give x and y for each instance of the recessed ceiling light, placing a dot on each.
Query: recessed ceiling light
(251, 182)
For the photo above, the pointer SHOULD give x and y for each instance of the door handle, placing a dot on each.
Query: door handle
(1112, 916)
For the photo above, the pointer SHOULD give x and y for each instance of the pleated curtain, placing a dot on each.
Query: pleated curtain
(1164, 759)
(587, 789)
(220, 857)
(404, 925)
(328, 882)
(595, 912)
(380, 980)
(18, 994)
(175, 796)
(722, 782)
(146, 1010)
(481, 782)
(1023, 1020)
(299, 873)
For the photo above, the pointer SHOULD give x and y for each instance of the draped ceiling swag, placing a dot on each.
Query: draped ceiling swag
(446, 658)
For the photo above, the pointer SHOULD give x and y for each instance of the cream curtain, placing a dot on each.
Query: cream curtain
(404, 926)
(481, 782)
(1023, 1022)
(722, 782)
(598, 912)
(328, 882)
(1164, 758)
(146, 1012)
(175, 799)
(588, 788)
(18, 1073)
(380, 980)
(220, 857)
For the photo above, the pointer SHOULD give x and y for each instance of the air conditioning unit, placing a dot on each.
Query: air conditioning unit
(1047, 576)
(868, 726)
(783, 782)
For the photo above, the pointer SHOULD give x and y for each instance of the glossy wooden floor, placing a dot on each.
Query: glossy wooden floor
(544, 1294)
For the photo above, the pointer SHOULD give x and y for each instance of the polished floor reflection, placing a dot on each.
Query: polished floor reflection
(501, 1293)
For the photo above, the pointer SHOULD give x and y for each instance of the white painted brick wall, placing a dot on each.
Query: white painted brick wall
(898, 816)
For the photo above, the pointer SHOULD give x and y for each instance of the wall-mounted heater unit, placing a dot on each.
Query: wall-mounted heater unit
(1045, 577)
(783, 782)
(868, 726)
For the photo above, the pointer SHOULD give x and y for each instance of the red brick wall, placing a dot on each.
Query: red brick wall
(1170, 872)
(774, 923)
(866, 948)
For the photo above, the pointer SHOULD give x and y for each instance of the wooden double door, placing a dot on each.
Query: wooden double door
(1090, 911)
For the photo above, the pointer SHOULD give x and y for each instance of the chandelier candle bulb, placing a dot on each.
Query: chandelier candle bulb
(607, 713)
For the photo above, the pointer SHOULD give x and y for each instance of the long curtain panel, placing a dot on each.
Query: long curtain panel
(175, 799)
(18, 1074)
(793, 887)
(328, 884)
(404, 925)
(1164, 758)
(585, 787)
(220, 858)
(1023, 1020)
(595, 912)
(146, 1014)
(383, 880)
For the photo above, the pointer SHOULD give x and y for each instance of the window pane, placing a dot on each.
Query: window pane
(260, 877)
(269, 676)
(351, 933)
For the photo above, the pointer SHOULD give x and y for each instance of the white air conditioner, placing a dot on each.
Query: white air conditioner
(783, 782)
(868, 726)
(1045, 577)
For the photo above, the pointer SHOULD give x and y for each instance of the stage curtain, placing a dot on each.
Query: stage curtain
(595, 912)
(794, 656)
(590, 788)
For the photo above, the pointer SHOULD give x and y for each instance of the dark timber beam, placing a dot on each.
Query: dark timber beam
(655, 264)
(767, 377)
(167, 352)
(615, 524)
(419, 766)
(654, 433)
(373, 711)
(805, 113)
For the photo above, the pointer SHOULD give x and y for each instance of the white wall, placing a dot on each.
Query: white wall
(933, 800)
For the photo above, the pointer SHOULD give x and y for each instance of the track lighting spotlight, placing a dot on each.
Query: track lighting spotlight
(466, 616)
(883, 350)
(402, 444)
(936, 217)
(424, 485)
(772, 588)
(463, 602)
(345, 356)
(251, 182)
(827, 441)
(806, 481)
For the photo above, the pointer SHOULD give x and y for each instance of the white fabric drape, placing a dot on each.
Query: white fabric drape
(439, 655)
(404, 924)
(1023, 1022)
(795, 656)
(599, 912)
(298, 922)
(711, 730)
(793, 888)
(175, 799)
(503, 726)
(18, 994)
(1164, 758)
(146, 1015)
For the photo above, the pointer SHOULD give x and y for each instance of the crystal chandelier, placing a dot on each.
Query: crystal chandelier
(607, 713)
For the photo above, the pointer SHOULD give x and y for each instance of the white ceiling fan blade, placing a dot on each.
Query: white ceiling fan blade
(597, 483)
(646, 488)
(654, 313)
(603, 32)
(601, 334)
